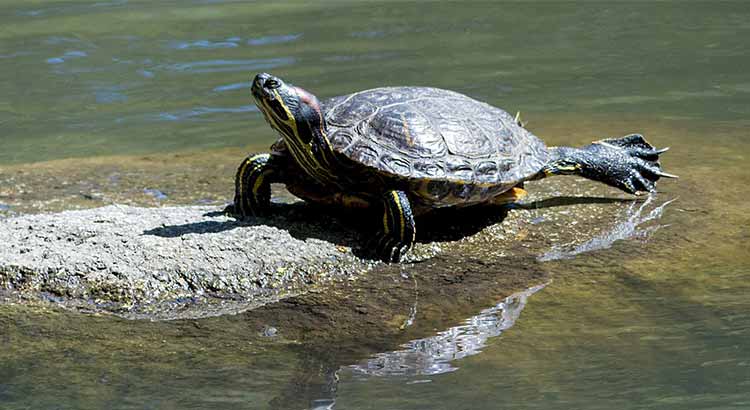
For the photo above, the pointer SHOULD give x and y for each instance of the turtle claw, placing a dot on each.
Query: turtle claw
(389, 250)
(643, 184)
(629, 163)
(666, 175)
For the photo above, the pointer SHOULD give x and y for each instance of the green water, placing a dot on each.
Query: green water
(150, 90)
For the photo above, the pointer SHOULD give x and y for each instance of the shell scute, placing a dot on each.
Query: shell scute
(341, 139)
(459, 168)
(487, 172)
(434, 138)
(364, 153)
(465, 138)
(397, 165)
(432, 169)
(350, 112)
(406, 130)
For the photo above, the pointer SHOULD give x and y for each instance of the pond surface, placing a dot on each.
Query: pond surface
(148, 103)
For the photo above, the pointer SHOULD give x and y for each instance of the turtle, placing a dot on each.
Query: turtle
(406, 151)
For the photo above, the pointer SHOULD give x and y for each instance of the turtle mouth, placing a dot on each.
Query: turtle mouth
(261, 93)
(264, 85)
(273, 96)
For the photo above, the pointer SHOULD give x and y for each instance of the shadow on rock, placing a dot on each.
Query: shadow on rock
(354, 229)
(302, 221)
(569, 201)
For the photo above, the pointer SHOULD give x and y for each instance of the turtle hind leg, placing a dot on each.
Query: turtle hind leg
(252, 183)
(399, 230)
(629, 163)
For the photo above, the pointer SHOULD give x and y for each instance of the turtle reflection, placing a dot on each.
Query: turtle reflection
(436, 354)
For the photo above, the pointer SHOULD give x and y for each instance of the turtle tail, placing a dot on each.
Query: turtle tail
(629, 163)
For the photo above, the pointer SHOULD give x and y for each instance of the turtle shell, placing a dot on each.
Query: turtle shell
(429, 134)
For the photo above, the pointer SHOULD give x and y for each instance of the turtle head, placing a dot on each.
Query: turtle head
(296, 114)
(291, 110)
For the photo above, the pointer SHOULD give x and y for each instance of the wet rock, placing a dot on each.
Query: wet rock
(183, 262)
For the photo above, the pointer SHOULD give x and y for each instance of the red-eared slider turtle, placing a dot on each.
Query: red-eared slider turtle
(408, 150)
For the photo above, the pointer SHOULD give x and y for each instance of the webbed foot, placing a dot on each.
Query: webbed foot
(629, 163)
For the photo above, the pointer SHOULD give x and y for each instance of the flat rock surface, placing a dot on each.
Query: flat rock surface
(165, 262)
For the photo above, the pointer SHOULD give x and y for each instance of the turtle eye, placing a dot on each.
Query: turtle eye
(271, 84)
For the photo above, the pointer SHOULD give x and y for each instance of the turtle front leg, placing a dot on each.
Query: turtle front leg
(398, 227)
(253, 186)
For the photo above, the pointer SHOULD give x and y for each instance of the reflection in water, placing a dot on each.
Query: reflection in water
(433, 355)
(428, 356)
(630, 227)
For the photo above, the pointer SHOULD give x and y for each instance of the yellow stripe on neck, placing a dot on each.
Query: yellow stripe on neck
(400, 213)
(301, 151)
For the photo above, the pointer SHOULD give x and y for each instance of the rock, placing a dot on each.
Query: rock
(169, 262)
(192, 261)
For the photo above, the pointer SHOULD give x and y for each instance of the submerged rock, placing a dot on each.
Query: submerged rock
(166, 262)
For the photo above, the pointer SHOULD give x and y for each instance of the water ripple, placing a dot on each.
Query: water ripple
(184, 45)
(110, 94)
(632, 227)
(16, 54)
(57, 40)
(201, 111)
(234, 86)
(70, 9)
(368, 34)
(67, 56)
(261, 41)
(339, 58)
(146, 73)
(221, 66)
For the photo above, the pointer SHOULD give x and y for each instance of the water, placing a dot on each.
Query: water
(148, 103)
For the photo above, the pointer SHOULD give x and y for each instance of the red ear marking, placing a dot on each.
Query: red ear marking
(308, 99)
(318, 123)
